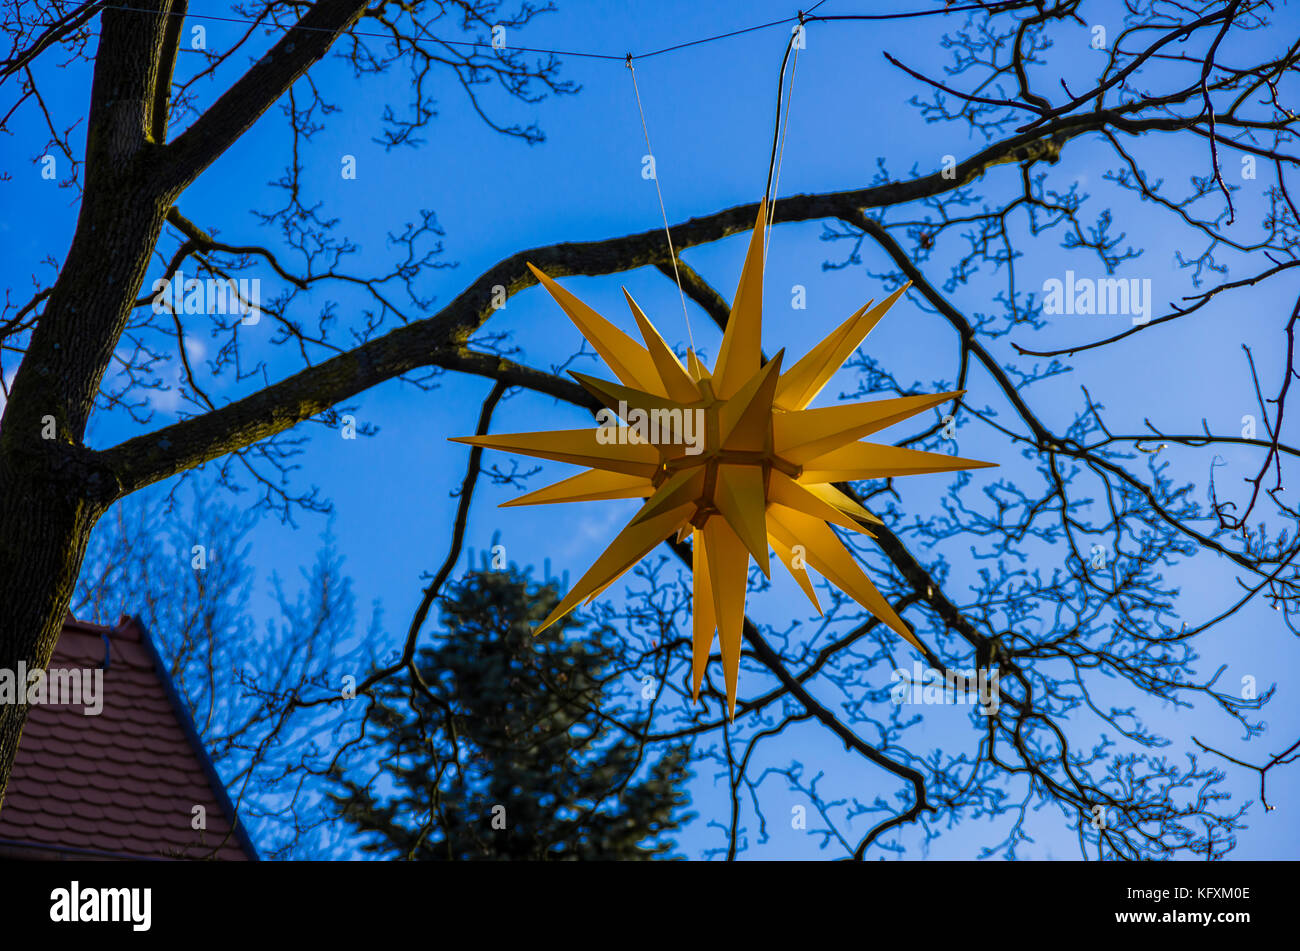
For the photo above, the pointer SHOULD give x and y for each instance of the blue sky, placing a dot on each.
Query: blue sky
(709, 110)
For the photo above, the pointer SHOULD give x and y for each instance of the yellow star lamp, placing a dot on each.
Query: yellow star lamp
(736, 460)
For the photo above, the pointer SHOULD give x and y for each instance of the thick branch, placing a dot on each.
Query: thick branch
(440, 340)
(150, 458)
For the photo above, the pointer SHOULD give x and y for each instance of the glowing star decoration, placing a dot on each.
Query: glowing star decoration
(733, 459)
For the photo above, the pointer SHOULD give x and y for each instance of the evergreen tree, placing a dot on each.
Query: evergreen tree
(535, 771)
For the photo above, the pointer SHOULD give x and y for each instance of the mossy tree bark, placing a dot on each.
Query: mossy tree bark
(51, 489)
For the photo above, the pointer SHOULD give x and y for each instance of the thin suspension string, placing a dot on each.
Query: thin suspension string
(778, 130)
(780, 156)
(659, 191)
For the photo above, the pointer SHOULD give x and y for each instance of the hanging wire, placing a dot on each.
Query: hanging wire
(469, 43)
(985, 7)
(778, 153)
(672, 253)
(780, 86)
(783, 120)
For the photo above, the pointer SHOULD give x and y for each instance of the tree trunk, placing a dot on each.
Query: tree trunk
(44, 525)
(52, 489)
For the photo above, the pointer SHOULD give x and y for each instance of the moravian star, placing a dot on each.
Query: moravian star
(758, 475)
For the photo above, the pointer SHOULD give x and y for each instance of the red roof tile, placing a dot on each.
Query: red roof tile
(120, 784)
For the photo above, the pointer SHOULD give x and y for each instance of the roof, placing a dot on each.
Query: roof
(121, 784)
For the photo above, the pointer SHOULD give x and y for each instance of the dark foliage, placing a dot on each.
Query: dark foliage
(543, 775)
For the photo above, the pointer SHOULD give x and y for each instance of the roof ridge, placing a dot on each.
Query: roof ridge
(238, 831)
(127, 628)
